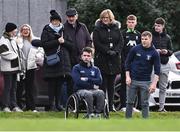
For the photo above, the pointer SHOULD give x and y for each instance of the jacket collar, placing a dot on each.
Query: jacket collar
(159, 34)
(82, 63)
(99, 23)
(131, 31)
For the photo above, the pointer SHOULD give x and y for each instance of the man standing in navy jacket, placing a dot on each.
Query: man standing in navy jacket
(139, 64)
(87, 79)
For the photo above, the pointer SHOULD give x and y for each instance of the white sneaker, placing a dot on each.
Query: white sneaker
(6, 109)
(123, 109)
(135, 110)
(92, 115)
(17, 109)
(98, 115)
(35, 111)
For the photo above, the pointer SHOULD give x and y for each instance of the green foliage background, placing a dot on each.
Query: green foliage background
(146, 11)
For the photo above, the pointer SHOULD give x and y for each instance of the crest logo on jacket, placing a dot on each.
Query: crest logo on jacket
(92, 73)
(131, 43)
(148, 57)
(138, 54)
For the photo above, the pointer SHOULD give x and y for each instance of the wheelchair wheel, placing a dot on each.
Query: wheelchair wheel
(72, 107)
(106, 110)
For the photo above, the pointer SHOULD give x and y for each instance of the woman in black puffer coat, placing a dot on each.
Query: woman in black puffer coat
(108, 43)
(52, 39)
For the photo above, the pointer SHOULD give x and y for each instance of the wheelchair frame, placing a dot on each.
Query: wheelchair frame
(76, 105)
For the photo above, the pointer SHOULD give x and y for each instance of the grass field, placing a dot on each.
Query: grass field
(49, 121)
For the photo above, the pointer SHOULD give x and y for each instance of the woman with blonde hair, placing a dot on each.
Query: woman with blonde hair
(28, 62)
(108, 43)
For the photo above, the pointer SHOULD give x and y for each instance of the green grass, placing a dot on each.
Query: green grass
(51, 121)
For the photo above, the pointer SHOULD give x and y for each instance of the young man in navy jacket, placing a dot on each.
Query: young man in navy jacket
(87, 79)
(139, 64)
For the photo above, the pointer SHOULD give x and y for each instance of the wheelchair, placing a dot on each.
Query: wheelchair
(76, 105)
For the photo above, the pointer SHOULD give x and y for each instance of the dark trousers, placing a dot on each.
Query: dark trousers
(69, 86)
(27, 85)
(54, 89)
(108, 87)
(20, 93)
(90, 96)
(9, 92)
(123, 93)
(123, 88)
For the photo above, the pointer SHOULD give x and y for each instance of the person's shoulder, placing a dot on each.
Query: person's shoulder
(76, 66)
(46, 27)
(117, 24)
(139, 46)
(98, 24)
(2, 38)
(124, 31)
(81, 24)
(66, 24)
(154, 50)
(96, 68)
(168, 36)
(137, 32)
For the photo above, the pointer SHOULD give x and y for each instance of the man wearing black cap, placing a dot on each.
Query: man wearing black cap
(10, 66)
(78, 33)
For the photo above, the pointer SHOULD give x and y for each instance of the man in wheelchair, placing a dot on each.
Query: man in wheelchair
(87, 79)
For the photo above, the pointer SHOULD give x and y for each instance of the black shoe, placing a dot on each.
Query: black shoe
(162, 110)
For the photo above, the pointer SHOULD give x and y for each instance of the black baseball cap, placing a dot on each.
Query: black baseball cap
(71, 12)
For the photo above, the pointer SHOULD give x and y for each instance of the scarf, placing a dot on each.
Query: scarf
(56, 29)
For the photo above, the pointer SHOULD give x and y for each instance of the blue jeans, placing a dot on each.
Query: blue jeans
(143, 86)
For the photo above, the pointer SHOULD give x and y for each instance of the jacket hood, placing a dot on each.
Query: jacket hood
(6, 35)
(115, 23)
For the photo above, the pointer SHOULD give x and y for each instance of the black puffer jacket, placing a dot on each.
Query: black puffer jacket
(163, 41)
(106, 38)
(50, 44)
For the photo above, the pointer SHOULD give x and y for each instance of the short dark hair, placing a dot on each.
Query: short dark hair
(131, 17)
(87, 49)
(146, 33)
(160, 20)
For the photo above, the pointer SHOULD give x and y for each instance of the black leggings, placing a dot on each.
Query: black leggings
(108, 87)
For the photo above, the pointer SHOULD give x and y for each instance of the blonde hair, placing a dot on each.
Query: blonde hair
(109, 13)
(31, 35)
